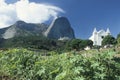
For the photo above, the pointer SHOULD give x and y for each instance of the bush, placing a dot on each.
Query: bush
(21, 64)
(78, 44)
(109, 40)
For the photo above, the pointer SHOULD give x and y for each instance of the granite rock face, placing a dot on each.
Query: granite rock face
(60, 28)
(9, 33)
(20, 28)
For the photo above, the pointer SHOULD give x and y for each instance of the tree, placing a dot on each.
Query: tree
(78, 44)
(118, 38)
(73, 44)
(89, 43)
(109, 40)
(1, 42)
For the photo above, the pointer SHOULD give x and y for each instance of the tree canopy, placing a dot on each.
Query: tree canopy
(118, 38)
(78, 44)
(109, 40)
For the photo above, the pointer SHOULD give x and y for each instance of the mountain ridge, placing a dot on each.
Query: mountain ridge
(60, 27)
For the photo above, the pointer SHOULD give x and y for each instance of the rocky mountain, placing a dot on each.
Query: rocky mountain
(60, 28)
(20, 28)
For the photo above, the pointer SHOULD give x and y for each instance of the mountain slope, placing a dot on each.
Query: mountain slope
(21, 28)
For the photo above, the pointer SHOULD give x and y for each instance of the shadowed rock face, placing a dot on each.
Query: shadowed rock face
(60, 28)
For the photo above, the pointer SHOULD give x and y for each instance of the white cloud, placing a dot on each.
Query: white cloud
(27, 11)
(7, 14)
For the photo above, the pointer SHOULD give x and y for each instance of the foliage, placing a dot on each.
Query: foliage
(22, 64)
(78, 44)
(88, 43)
(118, 36)
(74, 44)
(43, 43)
(118, 39)
(109, 40)
(35, 42)
(1, 42)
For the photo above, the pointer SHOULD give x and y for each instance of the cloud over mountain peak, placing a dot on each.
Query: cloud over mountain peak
(24, 10)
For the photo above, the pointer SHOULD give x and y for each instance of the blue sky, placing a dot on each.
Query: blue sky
(85, 15)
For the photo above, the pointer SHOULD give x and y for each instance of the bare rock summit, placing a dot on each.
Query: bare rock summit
(61, 29)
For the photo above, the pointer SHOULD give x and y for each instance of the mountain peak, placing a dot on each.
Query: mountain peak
(19, 22)
(60, 28)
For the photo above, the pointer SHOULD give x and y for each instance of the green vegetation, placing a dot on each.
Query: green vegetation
(109, 40)
(118, 39)
(78, 44)
(118, 36)
(22, 64)
(39, 58)
(43, 43)
(32, 42)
